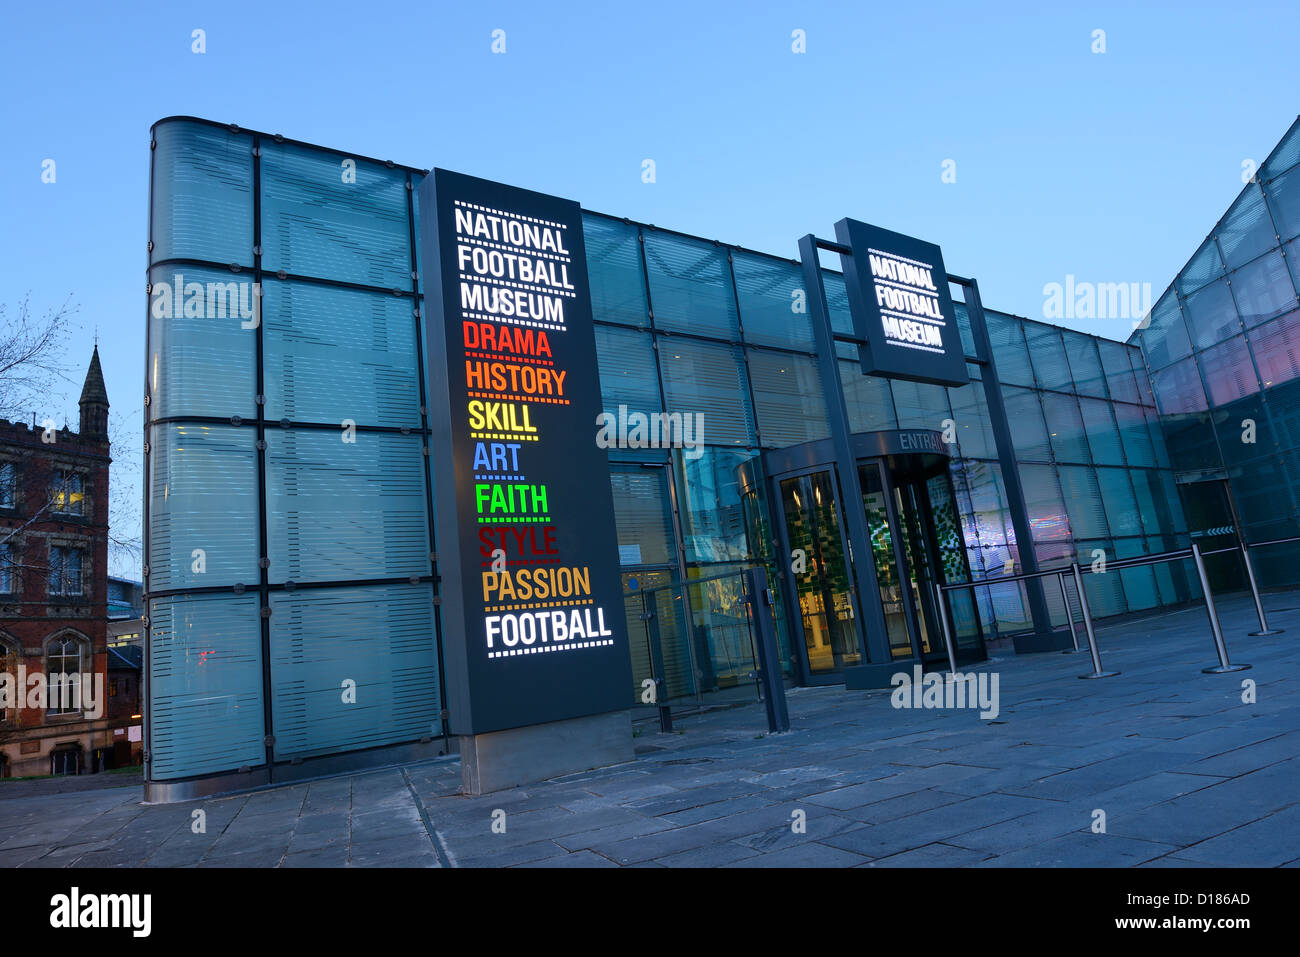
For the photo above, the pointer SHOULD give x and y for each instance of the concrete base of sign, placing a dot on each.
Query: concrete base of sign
(1052, 641)
(871, 677)
(506, 759)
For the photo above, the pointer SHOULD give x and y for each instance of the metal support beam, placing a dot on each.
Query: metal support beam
(766, 650)
(1043, 638)
(872, 615)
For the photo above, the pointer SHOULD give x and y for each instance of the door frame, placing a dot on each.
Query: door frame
(915, 525)
(794, 614)
(897, 530)
(884, 451)
(678, 564)
(1215, 564)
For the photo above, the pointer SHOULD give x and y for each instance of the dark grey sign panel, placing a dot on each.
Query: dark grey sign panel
(532, 611)
(899, 299)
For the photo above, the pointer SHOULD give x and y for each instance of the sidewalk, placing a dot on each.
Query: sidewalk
(1184, 772)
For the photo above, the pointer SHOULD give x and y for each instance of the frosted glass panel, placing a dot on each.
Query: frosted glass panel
(709, 379)
(1103, 435)
(626, 358)
(333, 354)
(1007, 337)
(766, 288)
(202, 194)
(868, 399)
(202, 359)
(203, 526)
(205, 685)
(374, 645)
(339, 511)
(788, 398)
(690, 286)
(1083, 501)
(614, 271)
(315, 222)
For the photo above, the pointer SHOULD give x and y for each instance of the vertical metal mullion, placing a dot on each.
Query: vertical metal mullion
(146, 684)
(678, 536)
(1254, 365)
(1128, 468)
(264, 597)
(1040, 619)
(873, 633)
(744, 349)
(1277, 235)
(650, 314)
(427, 451)
(1040, 389)
(1200, 374)
(800, 670)
(679, 543)
(898, 539)
(1178, 498)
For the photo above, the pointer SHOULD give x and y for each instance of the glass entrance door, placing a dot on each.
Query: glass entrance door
(1213, 525)
(890, 566)
(915, 539)
(910, 503)
(821, 575)
(916, 542)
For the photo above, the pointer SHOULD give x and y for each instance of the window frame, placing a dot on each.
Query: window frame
(8, 486)
(66, 550)
(8, 570)
(10, 648)
(63, 639)
(57, 506)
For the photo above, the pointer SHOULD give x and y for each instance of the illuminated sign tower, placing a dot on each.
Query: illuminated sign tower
(536, 656)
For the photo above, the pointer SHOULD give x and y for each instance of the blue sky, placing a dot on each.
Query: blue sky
(1108, 167)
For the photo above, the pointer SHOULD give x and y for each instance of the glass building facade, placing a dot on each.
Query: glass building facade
(288, 499)
(1222, 348)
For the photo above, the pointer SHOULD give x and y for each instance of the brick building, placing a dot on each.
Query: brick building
(53, 589)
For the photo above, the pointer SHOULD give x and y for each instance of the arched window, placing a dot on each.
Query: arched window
(63, 666)
(9, 659)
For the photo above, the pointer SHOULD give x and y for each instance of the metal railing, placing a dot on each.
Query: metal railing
(1194, 553)
(733, 643)
(1244, 548)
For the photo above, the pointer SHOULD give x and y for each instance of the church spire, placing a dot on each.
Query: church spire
(94, 401)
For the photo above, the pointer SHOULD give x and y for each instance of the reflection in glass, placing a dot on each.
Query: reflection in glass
(887, 571)
(822, 577)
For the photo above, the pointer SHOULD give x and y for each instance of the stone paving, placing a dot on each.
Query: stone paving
(1185, 772)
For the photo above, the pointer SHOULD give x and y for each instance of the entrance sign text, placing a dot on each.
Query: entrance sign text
(532, 618)
(898, 295)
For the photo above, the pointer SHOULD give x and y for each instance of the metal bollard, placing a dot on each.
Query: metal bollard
(1254, 593)
(1224, 666)
(1069, 613)
(767, 651)
(947, 634)
(657, 666)
(1087, 624)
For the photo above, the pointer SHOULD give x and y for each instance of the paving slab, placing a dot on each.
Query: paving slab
(1185, 771)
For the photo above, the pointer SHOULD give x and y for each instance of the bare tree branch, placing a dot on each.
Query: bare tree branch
(125, 546)
(31, 354)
